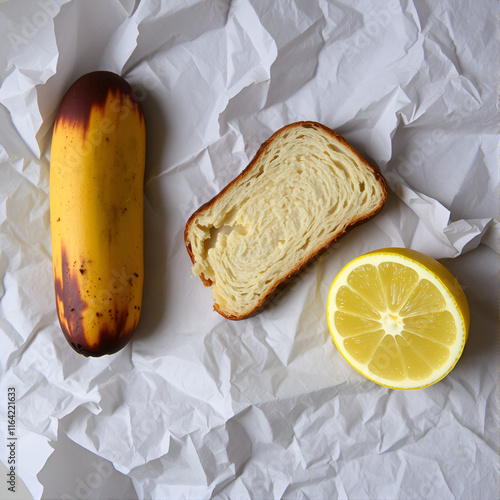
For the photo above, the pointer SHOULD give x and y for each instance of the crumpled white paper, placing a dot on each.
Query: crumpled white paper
(197, 406)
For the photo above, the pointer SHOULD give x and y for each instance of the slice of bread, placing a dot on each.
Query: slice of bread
(305, 187)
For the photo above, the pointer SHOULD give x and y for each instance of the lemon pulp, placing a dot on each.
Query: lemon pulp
(398, 317)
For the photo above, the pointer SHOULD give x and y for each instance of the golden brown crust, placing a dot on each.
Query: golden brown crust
(318, 251)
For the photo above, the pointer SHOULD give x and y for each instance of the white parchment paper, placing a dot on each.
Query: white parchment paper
(197, 406)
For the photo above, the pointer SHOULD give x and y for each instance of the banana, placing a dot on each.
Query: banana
(96, 213)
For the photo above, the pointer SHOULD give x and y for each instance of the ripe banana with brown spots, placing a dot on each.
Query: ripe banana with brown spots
(96, 212)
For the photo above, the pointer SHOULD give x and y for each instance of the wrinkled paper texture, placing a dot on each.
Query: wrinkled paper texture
(197, 406)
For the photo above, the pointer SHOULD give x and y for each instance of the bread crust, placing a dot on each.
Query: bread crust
(315, 253)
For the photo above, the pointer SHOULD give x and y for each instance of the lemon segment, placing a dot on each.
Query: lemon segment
(386, 362)
(438, 326)
(399, 317)
(363, 346)
(398, 281)
(424, 298)
(365, 281)
(350, 301)
(349, 325)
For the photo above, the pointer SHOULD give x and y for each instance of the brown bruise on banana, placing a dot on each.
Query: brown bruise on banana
(94, 324)
(95, 91)
(69, 303)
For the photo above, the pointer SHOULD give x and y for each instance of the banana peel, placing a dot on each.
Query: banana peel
(96, 213)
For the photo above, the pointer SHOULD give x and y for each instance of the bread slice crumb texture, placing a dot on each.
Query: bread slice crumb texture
(304, 188)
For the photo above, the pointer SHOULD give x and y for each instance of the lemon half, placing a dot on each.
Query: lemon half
(399, 317)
